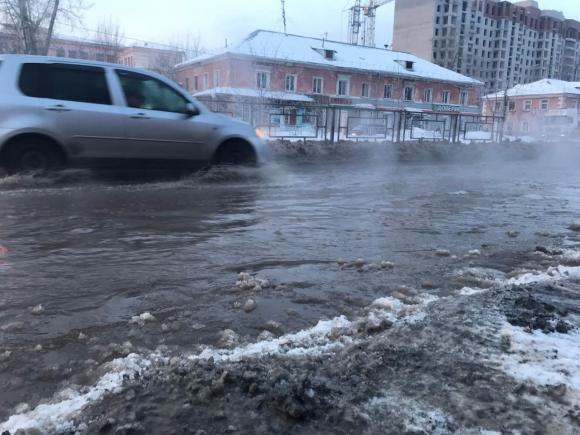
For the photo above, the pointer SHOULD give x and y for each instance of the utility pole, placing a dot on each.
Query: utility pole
(284, 15)
(505, 109)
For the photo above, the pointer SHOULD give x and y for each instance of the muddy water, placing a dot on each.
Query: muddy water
(97, 252)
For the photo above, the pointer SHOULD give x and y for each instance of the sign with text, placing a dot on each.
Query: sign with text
(445, 108)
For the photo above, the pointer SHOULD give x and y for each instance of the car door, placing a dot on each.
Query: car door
(76, 105)
(159, 122)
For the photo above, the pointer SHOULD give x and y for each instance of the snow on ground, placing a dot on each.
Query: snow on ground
(536, 357)
(558, 273)
(571, 255)
(327, 336)
(543, 359)
(489, 278)
(56, 416)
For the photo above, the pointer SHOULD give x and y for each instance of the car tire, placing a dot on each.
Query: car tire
(235, 153)
(33, 156)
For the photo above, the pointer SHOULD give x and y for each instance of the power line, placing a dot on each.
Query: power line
(143, 41)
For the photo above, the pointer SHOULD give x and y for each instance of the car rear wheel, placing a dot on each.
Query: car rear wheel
(33, 155)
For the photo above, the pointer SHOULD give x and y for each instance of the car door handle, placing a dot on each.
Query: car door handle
(58, 108)
(140, 116)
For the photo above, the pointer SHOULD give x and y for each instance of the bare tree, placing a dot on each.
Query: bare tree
(111, 38)
(32, 22)
(189, 44)
(165, 61)
(180, 48)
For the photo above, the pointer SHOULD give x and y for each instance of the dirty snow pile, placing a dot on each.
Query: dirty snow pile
(482, 279)
(553, 274)
(57, 415)
(328, 335)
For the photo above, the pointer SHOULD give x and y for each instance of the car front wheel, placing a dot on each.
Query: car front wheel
(33, 156)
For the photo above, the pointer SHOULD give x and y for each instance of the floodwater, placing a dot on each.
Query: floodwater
(331, 233)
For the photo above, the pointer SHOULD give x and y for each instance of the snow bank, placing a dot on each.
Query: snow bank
(327, 336)
(57, 415)
(489, 280)
(558, 273)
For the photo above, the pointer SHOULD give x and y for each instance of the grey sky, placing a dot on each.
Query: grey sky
(163, 21)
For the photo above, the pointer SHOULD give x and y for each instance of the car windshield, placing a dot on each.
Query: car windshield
(290, 217)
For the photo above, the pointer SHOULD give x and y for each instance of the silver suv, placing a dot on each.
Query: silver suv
(60, 113)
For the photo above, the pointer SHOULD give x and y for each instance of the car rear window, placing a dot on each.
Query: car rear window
(80, 83)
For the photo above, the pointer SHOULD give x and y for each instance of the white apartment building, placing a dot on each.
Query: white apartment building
(497, 42)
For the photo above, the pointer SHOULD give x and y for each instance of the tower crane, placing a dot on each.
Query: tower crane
(369, 10)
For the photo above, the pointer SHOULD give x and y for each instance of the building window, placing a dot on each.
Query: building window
(445, 97)
(544, 104)
(342, 87)
(527, 105)
(187, 84)
(463, 98)
(317, 85)
(388, 92)
(291, 83)
(525, 127)
(205, 81)
(428, 96)
(512, 106)
(217, 78)
(408, 94)
(195, 83)
(366, 90)
(262, 79)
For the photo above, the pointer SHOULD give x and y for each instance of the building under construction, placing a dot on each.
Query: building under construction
(362, 21)
(500, 43)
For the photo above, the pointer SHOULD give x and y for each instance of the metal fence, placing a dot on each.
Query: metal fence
(336, 123)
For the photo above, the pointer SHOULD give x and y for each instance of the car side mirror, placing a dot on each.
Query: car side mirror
(191, 110)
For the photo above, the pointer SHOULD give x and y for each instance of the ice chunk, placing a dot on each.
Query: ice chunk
(248, 282)
(142, 319)
(37, 310)
(228, 339)
(250, 305)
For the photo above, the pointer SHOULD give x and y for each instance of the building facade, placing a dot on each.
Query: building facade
(158, 59)
(291, 84)
(276, 66)
(546, 108)
(500, 43)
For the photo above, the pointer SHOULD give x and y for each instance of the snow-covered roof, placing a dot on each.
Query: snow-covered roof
(542, 87)
(300, 49)
(255, 93)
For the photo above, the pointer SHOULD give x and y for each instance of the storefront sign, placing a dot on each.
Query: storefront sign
(445, 108)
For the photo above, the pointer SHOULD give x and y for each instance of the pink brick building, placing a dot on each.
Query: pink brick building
(275, 67)
(548, 107)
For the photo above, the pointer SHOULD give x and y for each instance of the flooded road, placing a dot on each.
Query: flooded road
(97, 270)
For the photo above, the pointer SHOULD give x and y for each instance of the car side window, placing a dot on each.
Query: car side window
(144, 92)
(84, 84)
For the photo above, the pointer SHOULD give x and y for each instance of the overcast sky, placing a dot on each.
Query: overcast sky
(215, 20)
